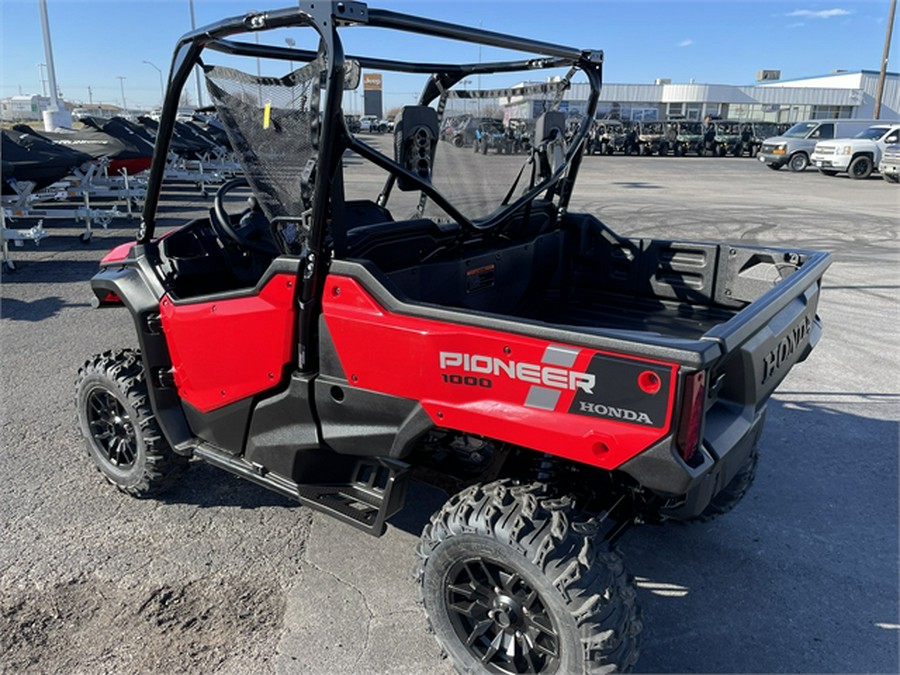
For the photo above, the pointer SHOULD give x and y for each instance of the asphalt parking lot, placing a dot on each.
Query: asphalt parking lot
(222, 576)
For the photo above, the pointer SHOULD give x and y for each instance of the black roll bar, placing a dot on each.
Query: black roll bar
(326, 17)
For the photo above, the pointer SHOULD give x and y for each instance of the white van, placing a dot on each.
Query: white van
(795, 145)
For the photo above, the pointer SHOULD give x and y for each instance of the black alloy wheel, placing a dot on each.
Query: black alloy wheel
(514, 580)
(111, 429)
(501, 618)
(122, 435)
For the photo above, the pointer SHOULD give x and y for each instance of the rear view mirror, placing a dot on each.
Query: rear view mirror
(351, 74)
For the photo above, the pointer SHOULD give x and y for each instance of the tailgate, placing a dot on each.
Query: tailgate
(764, 340)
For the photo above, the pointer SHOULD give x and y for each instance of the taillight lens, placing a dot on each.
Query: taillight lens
(691, 418)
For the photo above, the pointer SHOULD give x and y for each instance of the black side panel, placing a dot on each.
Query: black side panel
(284, 437)
(492, 279)
(224, 427)
(359, 422)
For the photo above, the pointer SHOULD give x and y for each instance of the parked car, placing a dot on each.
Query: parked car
(373, 124)
(859, 156)
(521, 133)
(603, 137)
(889, 166)
(561, 382)
(795, 145)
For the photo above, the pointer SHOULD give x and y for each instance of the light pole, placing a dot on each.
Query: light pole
(197, 74)
(41, 67)
(56, 115)
(121, 79)
(162, 93)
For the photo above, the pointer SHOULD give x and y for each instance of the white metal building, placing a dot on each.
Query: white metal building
(847, 95)
(23, 107)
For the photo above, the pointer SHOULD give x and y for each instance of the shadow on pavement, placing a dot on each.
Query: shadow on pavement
(810, 555)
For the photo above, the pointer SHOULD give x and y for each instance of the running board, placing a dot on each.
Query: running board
(375, 492)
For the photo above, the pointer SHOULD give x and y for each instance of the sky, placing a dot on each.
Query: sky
(97, 42)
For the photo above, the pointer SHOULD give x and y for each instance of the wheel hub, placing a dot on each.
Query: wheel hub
(506, 612)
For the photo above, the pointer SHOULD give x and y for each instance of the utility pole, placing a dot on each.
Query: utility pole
(884, 61)
(121, 79)
(90, 95)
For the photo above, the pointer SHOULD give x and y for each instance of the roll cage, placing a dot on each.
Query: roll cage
(323, 232)
(326, 18)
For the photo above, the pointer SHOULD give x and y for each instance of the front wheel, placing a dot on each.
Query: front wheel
(861, 167)
(122, 435)
(799, 162)
(513, 582)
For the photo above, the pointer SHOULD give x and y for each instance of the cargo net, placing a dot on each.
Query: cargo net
(272, 123)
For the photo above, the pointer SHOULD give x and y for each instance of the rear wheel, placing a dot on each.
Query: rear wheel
(861, 167)
(122, 435)
(891, 177)
(514, 582)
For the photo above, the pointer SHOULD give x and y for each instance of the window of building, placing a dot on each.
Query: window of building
(675, 110)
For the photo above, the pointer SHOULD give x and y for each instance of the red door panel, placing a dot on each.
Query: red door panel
(226, 350)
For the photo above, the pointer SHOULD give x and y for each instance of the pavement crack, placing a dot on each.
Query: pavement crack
(350, 585)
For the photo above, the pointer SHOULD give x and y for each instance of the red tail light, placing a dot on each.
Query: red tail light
(107, 298)
(691, 419)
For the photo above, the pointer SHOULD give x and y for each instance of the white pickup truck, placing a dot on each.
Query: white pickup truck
(889, 167)
(858, 156)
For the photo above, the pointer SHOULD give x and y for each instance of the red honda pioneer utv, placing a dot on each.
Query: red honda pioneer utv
(396, 308)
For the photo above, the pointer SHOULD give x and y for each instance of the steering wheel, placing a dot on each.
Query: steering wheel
(221, 222)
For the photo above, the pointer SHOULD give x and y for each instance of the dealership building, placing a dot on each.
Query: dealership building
(838, 95)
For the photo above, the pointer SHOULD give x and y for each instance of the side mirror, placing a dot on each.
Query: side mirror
(352, 73)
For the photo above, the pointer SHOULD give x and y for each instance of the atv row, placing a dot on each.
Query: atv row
(679, 138)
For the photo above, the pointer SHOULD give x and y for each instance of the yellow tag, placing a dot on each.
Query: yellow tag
(267, 115)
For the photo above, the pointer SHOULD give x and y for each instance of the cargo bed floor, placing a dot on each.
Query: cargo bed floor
(670, 318)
